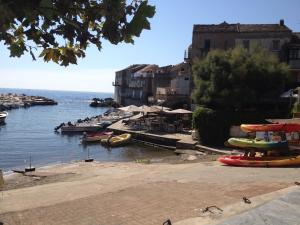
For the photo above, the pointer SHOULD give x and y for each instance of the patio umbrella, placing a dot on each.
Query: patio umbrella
(179, 111)
(130, 108)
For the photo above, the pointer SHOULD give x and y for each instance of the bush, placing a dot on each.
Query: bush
(296, 107)
(212, 126)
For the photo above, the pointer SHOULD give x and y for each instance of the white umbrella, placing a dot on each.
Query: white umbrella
(130, 108)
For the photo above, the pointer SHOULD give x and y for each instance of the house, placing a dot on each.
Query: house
(294, 55)
(225, 36)
(278, 39)
(151, 84)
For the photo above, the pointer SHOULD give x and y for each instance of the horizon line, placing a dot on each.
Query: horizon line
(56, 90)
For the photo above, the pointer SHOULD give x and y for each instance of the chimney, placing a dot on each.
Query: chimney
(281, 22)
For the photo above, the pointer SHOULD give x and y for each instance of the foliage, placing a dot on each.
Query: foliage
(296, 107)
(237, 79)
(212, 126)
(63, 29)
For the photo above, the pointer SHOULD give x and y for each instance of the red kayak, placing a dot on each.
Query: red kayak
(286, 127)
(268, 161)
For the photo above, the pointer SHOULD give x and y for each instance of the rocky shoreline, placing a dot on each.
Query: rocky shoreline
(14, 101)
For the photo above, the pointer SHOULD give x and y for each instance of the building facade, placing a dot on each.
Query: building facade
(151, 84)
(278, 39)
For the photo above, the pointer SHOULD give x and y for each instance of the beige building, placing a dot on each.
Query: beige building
(151, 84)
(276, 38)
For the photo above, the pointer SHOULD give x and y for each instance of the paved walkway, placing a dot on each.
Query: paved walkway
(135, 194)
(282, 211)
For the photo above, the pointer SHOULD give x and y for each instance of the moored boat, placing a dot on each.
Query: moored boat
(117, 140)
(98, 136)
(81, 128)
(284, 127)
(3, 116)
(278, 161)
(257, 143)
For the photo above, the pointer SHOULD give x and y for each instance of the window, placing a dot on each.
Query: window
(276, 45)
(294, 54)
(186, 78)
(207, 44)
(246, 44)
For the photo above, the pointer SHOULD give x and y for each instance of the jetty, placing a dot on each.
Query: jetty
(14, 101)
(164, 139)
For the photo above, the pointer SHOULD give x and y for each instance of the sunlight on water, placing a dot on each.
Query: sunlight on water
(31, 131)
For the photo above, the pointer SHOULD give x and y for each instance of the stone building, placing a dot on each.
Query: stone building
(276, 38)
(151, 84)
(294, 55)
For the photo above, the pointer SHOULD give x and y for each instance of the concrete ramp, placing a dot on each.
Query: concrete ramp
(282, 211)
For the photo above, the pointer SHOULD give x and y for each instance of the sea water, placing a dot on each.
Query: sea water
(29, 133)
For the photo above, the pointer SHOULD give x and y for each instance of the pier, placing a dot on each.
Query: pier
(169, 140)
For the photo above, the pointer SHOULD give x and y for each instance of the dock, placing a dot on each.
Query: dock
(169, 140)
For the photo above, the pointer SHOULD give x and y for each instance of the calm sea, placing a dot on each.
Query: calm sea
(30, 131)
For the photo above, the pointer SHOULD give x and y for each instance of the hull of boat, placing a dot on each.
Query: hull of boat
(69, 129)
(270, 127)
(3, 116)
(96, 138)
(260, 161)
(117, 140)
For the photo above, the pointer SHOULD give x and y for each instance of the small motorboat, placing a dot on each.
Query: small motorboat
(264, 161)
(97, 136)
(117, 140)
(3, 116)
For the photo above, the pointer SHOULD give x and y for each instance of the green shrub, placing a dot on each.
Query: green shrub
(212, 126)
(296, 107)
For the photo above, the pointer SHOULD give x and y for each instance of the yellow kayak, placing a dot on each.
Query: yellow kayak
(117, 140)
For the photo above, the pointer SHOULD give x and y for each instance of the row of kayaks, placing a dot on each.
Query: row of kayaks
(278, 161)
(278, 145)
(106, 138)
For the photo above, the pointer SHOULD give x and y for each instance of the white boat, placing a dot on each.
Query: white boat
(3, 115)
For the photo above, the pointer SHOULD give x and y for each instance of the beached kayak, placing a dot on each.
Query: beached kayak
(117, 140)
(257, 143)
(278, 161)
(291, 127)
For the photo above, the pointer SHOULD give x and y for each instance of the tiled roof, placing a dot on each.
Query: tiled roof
(237, 28)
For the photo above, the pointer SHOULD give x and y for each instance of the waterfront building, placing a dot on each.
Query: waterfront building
(151, 84)
(278, 39)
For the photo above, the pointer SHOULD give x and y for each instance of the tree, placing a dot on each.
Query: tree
(63, 29)
(237, 79)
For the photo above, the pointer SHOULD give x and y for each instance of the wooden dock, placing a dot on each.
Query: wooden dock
(171, 140)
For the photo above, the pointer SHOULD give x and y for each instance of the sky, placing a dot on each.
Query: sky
(164, 44)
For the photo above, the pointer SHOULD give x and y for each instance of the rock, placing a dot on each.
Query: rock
(186, 157)
(189, 152)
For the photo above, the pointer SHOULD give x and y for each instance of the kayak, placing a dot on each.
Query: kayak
(257, 143)
(285, 127)
(278, 161)
(117, 140)
(98, 136)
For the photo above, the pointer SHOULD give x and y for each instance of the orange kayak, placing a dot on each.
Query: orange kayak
(276, 161)
(286, 127)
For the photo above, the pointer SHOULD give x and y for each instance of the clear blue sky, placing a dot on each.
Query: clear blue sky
(164, 44)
